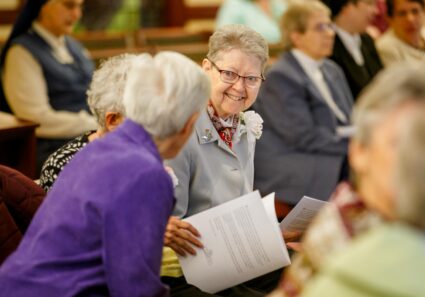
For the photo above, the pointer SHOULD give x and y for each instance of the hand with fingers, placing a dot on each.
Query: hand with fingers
(181, 236)
(292, 239)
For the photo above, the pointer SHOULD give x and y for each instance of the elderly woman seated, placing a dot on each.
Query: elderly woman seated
(355, 208)
(217, 164)
(100, 230)
(105, 97)
(304, 102)
(390, 259)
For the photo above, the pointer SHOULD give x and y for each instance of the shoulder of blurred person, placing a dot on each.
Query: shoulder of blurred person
(387, 261)
(57, 161)
(392, 50)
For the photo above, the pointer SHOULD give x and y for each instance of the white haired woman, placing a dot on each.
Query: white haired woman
(217, 164)
(105, 97)
(355, 208)
(100, 231)
(390, 259)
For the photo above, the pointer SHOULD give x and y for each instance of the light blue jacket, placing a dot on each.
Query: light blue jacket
(210, 173)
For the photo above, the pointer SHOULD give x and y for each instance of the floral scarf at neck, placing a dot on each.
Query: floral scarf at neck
(225, 128)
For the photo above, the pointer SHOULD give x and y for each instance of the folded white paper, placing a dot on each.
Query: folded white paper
(241, 241)
(301, 215)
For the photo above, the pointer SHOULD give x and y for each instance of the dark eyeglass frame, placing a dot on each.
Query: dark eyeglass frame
(258, 79)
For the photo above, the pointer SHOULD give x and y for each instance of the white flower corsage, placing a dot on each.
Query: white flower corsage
(252, 124)
(173, 176)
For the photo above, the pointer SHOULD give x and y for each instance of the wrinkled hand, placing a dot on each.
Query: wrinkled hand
(181, 236)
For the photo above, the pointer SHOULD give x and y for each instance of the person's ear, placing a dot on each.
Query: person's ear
(295, 37)
(190, 123)
(358, 157)
(112, 120)
(206, 64)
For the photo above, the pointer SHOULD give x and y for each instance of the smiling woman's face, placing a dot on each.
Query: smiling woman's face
(230, 99)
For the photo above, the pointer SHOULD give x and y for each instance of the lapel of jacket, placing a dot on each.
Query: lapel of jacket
(332, 80)
(207, 133)
(340, 97)
(359, 74)
(301, 73)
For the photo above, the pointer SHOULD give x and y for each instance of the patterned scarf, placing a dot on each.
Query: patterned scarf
(225, 128)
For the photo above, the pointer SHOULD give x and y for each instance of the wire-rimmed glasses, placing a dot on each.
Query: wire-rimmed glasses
(231, 77)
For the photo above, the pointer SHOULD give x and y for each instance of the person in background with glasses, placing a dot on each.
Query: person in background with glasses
(217, 163)
(306, 104)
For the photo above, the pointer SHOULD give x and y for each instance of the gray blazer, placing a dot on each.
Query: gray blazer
(299, 152)
(209, 172)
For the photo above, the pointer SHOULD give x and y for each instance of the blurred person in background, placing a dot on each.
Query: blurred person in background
(261, 15)
(354, 50)
(389, 260)
(304, 102)
(405, 40)
(370, 198)
(104, 97)
(46, 73)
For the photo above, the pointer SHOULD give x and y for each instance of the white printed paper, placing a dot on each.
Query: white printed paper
(241, 241)
(300, 217)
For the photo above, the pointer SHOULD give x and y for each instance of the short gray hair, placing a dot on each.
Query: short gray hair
(164, 91)
(107, 87)
(239, 37)
(393, 87)
(296, 17)
(410, 203)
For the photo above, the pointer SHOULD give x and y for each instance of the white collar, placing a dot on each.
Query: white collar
(352, 43)
(51, 39)
(58, 44)
(309, 64)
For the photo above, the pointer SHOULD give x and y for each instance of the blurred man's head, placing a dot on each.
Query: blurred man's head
(354, 16)
(306, 26)
(406, 18)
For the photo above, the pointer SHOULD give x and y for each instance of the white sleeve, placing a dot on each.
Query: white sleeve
(26, 90)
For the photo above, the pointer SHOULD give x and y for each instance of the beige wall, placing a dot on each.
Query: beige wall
(8, 4)
(202, 2)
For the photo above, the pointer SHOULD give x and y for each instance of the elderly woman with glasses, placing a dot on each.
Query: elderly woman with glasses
(304, 102)
(217, 164)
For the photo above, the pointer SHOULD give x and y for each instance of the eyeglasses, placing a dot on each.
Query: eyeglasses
(230, 77)
(324, 27)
